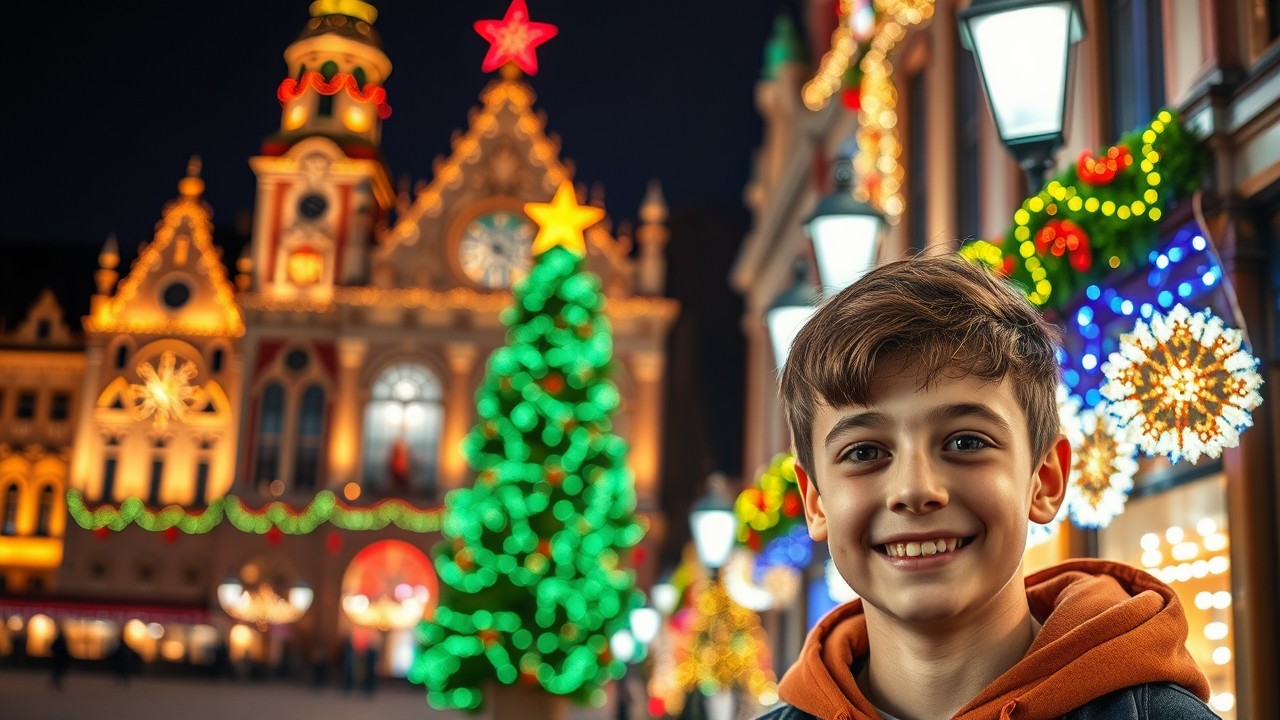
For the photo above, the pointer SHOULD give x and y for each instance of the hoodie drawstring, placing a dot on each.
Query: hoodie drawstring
(1006, 712)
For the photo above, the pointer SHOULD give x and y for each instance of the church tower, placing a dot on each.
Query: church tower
(323, 188)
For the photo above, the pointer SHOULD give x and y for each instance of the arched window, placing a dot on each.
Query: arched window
(359, 75)
(270, 426)
(402, 424)
(306, 469)
(9, 511)
(215, 362)
(122, 356)
(44, 516)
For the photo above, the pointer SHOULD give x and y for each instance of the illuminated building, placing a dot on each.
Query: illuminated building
(257, 427)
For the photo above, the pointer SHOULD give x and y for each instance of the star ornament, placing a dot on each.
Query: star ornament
(513, 39)
(562, 221)
(1183, 386)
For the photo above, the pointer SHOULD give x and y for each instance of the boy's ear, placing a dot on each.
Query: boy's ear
(814, 514)
(1051, 479)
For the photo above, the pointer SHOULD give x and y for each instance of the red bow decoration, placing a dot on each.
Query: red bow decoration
(1061, 237)
(1101, 171)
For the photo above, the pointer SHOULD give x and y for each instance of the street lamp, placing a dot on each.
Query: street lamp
(714, 525)
(845, 231)
(1023, 50)
(790, 312)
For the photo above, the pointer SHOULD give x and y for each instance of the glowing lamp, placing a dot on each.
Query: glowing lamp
(295, 116)
(665, 596)
(714, 525)
(1023, 49)
(300, 596)
(358, 119)
(229, 592)
(790, 312)
(644, 624)
(623, 646)
(845, 231)
(305, 266)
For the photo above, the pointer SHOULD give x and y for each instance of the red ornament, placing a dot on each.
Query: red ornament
(753, 541)
(555, 476)
(852, 98)
(171, 535)
(553, 383)
(1007, 266)
(544, 547)
(1101, 171)
(487, 637)
(101, 533)
(638, 555)
(791, 505)
(1063, 237)
(333, 543)
(513, 39)
(657, 708)
(275, 535)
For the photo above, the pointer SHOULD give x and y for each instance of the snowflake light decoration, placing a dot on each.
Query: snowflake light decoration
(1183, 386)
(166, 393)
(1103, 463)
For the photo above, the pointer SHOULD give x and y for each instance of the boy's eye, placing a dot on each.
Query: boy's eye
(966, 443)
(865, 454)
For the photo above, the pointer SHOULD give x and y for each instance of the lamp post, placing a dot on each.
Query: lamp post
(1023, 49)
(845, 231)
(790, 312)
(714, 525)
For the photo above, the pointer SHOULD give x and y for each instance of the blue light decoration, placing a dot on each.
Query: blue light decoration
(1183, 270)
(793, 550)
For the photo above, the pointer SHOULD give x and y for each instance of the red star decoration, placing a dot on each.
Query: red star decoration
(513, 38)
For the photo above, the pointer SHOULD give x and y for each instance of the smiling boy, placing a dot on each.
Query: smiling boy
(922, 407)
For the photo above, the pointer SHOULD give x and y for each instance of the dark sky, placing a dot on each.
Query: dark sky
(112, 98)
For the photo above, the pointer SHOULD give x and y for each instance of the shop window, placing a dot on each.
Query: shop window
(9, 511)
(1135, 55)
(26, 405)
(60, 408)
(109, 478)
(310, 433)
(1181, 536)
(270, 426)
(402, 425)
(917, 163)
(44, 513)
(157, 477)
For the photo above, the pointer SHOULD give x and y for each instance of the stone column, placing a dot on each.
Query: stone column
(646, 425)
(462, 357)
(344, 442)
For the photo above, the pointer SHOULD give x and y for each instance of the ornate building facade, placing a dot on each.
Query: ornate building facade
(287, 433)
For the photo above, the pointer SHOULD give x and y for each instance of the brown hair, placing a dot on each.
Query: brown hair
(939, 314)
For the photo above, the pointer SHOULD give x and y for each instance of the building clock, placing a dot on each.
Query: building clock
(493, 251)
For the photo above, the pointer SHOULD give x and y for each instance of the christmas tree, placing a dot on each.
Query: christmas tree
(532, 580)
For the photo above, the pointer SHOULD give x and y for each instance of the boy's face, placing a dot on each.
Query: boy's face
(952, 464)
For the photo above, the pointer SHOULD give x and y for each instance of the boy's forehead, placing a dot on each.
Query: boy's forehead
(899, 395)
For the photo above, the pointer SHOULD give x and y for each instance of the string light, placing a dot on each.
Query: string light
(772, 506)
(293, 88)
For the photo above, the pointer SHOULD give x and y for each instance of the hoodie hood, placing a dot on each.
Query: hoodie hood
(1106, 626)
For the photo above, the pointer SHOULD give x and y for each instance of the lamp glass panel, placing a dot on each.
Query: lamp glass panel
(846, 247)
(644, 624)
(714, 532)
(300, 596)
(1023, 56)
(784, 324)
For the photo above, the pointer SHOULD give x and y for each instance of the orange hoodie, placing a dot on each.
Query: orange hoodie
(1107, 626)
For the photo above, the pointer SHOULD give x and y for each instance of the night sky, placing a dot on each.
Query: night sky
(110, 99)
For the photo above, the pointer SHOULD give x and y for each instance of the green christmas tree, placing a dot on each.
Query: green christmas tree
(532, 580)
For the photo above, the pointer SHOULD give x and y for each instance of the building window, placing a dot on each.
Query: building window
(122, 356)
(9, 512)
(44, 514)
(215, 361)
(60, 409)
(270, 427)
(968, 127)
(26, 405)
(917, 163)
(202, 483)
(1135, 55)
(44, 329)
(109, 478)
(310, 433)
(402, 425)
(157, 476)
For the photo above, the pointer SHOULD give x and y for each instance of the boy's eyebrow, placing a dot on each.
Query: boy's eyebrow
(857, 420)
(960, 410)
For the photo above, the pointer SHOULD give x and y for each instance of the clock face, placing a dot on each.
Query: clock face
(494, 249)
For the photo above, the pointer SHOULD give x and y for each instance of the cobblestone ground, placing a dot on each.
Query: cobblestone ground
(28, 695)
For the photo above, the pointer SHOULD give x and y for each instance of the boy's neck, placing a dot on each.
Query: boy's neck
(928, 673)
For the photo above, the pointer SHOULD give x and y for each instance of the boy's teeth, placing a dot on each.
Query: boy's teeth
(925, 547)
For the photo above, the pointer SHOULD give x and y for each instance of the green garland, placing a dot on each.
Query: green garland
(323, 508)
(1077, 230)
(772, 507)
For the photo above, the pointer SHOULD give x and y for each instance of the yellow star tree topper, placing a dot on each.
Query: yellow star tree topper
(562, 221)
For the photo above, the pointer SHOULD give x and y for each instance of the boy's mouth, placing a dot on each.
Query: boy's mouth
(921, 548)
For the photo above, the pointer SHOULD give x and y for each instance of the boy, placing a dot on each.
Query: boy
(922, 406)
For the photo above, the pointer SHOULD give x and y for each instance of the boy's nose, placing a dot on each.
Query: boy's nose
(915, 486)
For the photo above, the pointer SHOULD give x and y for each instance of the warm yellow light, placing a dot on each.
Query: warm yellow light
(562, 221)
(172, 650)
(306, 266)
(134, 631)
(167, 392)
(240, 638)
(351, 491)
(357, 118)
(350, 8)
(295, 116)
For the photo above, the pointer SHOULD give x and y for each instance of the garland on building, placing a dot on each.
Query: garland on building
(533, 580)
(280, 516)
(291, 89)
(772, 507)
(1096, 217)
